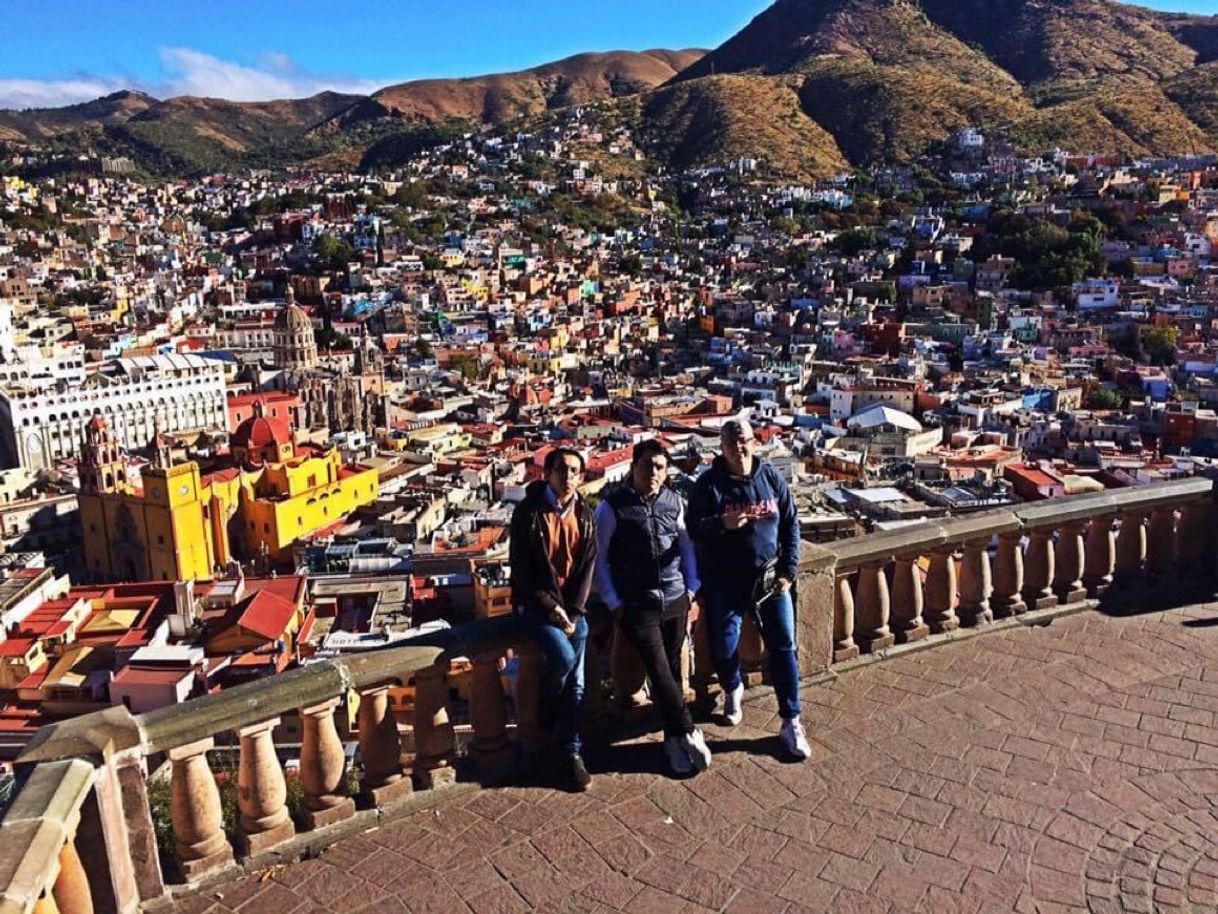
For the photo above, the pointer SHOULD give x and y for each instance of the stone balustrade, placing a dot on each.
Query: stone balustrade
(930, 578)
(80, 837)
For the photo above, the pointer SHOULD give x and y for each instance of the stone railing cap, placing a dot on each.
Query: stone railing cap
(41, 819)
(924, 537)
(94, 736)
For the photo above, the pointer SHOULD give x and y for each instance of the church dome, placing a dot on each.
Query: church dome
(293, 319)
(258, 432)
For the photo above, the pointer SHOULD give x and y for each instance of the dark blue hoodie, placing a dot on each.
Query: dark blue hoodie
(733, 557)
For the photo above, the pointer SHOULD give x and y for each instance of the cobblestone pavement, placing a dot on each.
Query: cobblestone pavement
(1066, 768)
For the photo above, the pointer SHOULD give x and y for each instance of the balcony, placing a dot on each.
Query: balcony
(1009, 711)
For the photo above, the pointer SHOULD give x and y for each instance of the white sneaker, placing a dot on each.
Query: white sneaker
(678, 760)
(695, 747)
(733, 701)
(794, 740)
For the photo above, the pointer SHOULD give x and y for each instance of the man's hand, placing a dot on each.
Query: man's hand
(735, 518)
(560, 618)
(783, 585)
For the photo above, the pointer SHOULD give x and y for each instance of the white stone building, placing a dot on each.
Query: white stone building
(176, 393)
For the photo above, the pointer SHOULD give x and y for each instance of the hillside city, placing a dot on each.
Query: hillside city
(252, 420)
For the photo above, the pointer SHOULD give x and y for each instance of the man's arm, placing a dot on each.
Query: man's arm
(689, 559)
(705, 521)
(587, 568)
(606, 525)
(788, 530)
(524, 583)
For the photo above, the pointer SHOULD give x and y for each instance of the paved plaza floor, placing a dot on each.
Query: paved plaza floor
(1066, 768)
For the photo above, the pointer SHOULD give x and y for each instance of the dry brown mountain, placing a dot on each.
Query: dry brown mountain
(805, 86)
(499, 97)
(41, 123)
(188, 133)
(720, 118)
(887, 77)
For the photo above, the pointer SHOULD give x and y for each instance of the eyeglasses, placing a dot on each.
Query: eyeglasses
(567, 471)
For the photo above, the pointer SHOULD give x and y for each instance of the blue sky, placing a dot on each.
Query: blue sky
(254, 49)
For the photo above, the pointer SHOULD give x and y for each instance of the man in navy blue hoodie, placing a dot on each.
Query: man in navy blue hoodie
(743, 517)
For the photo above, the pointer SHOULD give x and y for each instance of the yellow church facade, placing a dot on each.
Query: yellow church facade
(180, 525)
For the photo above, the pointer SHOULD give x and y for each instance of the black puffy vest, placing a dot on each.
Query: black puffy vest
(644, 554)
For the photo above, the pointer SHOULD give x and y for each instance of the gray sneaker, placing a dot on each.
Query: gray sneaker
(733, 705)
(696, 749)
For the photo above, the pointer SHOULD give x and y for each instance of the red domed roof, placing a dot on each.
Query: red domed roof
(259, 432)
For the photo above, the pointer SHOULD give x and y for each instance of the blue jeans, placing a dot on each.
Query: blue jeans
(725, 608)
(563, 677)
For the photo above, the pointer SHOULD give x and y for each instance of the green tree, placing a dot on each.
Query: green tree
(333, 253)
(1102, 399)
(1159, 344)
(853, 242)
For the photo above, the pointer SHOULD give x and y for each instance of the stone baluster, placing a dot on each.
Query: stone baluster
(976, 584)
(194, 807)
(907, 601)
(528, 697)
(323, 767)
(1161, 543)
(872, 607)
(488, 714)
(1007, 598)
(262, 793)
(844, 647)
(626, 667)
(1130, 548)
(1194, 538)
(1100, 558)
(1038, 573)
(1068, 576)
(940, 591)
(380, 748)
(752, 652)
(71, 890)
(434, 738)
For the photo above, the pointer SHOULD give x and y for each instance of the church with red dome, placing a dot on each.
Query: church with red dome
(177, 523)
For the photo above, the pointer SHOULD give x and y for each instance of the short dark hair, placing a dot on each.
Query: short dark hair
(649, 447)
(561, 453)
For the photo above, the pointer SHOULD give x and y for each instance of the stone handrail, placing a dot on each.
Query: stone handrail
(95, 762)
(38, 857)
(79, 835)
(933, 577)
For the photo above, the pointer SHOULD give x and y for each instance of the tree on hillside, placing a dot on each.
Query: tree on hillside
(1159, 344)
(333, 253)
(1104, 399)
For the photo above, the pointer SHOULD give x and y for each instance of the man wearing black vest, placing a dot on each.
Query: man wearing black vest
(646, 574)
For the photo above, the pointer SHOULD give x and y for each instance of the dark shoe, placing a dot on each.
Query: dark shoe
(576, 775)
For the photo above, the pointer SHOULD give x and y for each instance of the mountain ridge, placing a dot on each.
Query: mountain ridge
(815, 86)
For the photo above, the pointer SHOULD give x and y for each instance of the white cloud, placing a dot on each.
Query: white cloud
(192, 72)
(187, 71)
(54, 93)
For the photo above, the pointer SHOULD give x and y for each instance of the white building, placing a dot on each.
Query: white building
(175, 392)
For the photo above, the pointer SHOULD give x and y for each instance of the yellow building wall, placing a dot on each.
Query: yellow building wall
(182, 541)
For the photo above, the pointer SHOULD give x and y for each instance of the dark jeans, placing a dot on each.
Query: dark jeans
(725, 608)
(658, 640)
(563, 682)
